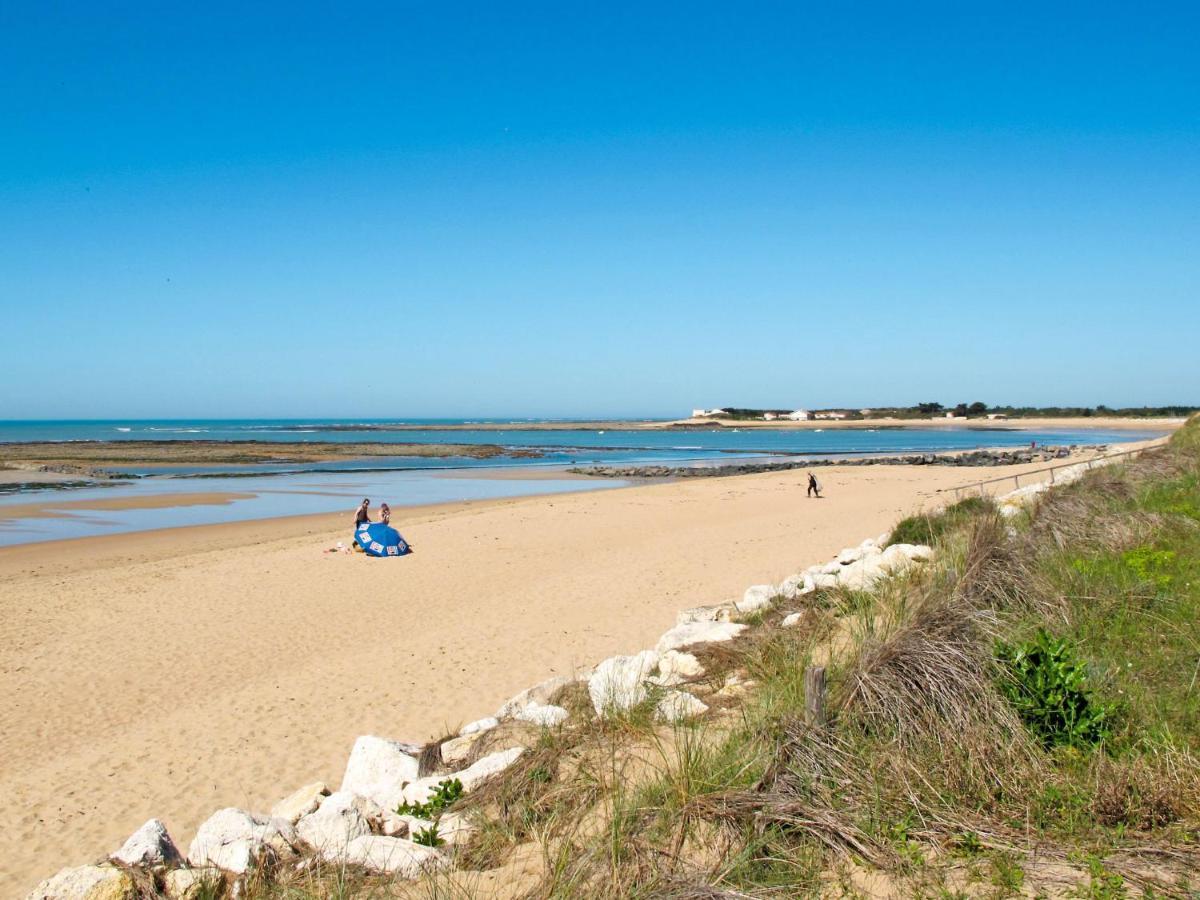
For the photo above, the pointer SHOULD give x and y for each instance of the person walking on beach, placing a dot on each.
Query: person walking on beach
(362, 515)
(814, 489)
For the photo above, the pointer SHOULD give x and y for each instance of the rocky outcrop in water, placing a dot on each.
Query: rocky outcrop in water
(970, 458)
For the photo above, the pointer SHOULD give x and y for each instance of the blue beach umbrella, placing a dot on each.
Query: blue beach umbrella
(378, 539)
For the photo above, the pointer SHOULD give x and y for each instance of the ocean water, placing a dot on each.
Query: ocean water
(558, 447)
(268, 491)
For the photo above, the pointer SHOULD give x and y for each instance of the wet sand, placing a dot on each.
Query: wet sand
(171, 673)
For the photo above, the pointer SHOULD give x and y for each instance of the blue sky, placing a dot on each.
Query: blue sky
(595, 209)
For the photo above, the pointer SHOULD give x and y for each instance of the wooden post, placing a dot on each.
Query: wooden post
(1016, 480)
(814, 696)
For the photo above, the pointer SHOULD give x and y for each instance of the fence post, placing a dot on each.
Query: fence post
(814, 696)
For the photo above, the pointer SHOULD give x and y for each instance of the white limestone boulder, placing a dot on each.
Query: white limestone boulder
(849, 555)
(392, 856)
(677, 706)
(487, 767)
(675, 667)
(540, 694)
(236, 841)
(149, 846)
(698, 633)
(479, 725)
(791, 620)
(797, 586)
(546, 715)
(191, 884)
(86, 883)
(722, 612)
(471, 777)
(378, 769)
(824, 580)
(619, 683)
(339, 819)
(862, 574)
(758, 596)
(455, 829)
(300, 802)
(456, 751)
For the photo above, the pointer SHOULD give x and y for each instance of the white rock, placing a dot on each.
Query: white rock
(849, 555)
(675, 706)
(862, 575)
(479, 725)
(545, 715)
(483, 769)
(758, 596)
(797, 586)
(456, 750)
(471, 777)
(455, 829)
(697, 633)
(85, 883)
(791, 620)
(883, 539)
(422, 789)
(234, 840)
(825, 580)
(189, 884)
(539, 694)
(831, 568)
(301, 802)
(393, 856)
(675, 667)
(149, 846)
(340, 818)
(378, 769)
(619, 682)
(722, 612)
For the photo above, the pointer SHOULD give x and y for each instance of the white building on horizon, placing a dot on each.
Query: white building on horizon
(800, 415)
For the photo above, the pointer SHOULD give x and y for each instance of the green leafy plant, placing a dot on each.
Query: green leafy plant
(1047, 685)
(445, 794)
(1148, 564)
(428, 837)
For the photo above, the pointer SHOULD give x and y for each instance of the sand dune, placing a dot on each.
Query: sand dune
(172, 673)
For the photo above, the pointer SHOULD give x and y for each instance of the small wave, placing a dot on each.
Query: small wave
(687, 447)
(124, 429)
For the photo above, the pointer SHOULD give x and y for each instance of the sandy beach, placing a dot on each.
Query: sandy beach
(171, 673)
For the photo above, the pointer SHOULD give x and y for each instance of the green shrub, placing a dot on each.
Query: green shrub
(1148, 564)
(428, 837)
(926, 529)
(446, 793)
(1047, 685)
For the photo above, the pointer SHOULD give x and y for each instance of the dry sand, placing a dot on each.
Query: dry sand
(172, 673)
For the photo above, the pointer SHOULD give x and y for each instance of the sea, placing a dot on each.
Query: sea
(271, 490)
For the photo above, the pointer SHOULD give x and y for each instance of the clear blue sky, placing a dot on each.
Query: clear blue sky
(595, 209)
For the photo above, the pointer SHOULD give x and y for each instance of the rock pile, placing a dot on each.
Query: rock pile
(970, 458)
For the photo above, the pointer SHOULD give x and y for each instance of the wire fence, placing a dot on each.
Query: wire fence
(1016, 477)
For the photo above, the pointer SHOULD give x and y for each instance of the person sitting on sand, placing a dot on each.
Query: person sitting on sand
(362, 515)
(385, 514)
(813, 487)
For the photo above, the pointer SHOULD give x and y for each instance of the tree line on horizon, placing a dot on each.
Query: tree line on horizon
(978, 409)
